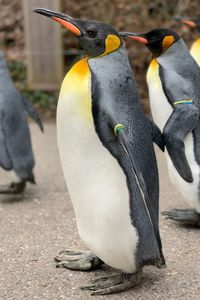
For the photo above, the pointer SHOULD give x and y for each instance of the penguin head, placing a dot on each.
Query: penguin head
(96, 38)
(192, 22)
(157, 40)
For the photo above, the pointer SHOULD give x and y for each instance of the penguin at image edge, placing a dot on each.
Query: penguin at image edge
(193, 23)
(107, 155)
(15, 140)
(173, 80)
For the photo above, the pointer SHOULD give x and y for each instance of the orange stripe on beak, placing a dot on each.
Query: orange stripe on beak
(68, 25)
(189, 23)
(139, 39)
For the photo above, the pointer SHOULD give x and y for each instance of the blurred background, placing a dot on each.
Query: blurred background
(28, 39)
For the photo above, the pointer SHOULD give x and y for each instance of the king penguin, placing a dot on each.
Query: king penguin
(108, 160)
(193, 23)
(173, 80)
(15, 141)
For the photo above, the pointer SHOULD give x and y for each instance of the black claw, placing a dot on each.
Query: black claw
(184, 216)
(56, 259)
(79, 261)
(114, 284)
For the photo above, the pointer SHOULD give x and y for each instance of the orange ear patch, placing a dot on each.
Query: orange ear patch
(112, 43)
(167, 41)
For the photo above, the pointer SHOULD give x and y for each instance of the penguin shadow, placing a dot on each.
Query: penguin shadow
(151, 278)
(191, 227)
(26, 196)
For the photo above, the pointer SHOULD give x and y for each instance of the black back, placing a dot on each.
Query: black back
(180, 76)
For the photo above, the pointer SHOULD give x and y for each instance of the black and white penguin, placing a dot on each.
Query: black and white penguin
(173, 80)
(108, 160)
(193, 23)
(15, 140)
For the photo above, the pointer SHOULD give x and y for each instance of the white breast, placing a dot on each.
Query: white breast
(161, 110)
(96, 184)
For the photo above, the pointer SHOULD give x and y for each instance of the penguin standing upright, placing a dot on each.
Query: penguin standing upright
(193, 23)
(15, 141)
(108, 160)
(173, 80)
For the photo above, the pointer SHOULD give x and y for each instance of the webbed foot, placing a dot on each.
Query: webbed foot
(81, 261)
(13, 188)
(184, 216)
(114, 284)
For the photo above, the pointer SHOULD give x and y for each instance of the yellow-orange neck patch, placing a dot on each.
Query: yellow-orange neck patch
(76, 90)
(81, 67)
(112, 43)
(153, 72)
(167, 41)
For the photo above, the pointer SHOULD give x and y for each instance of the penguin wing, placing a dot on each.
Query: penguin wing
(157, 136)
(183, 120)
(32, 112)
(18, 142)
(129, 151)
(5, 160)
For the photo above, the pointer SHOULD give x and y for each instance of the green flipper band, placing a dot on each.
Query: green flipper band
(188, 101)
(118, 128)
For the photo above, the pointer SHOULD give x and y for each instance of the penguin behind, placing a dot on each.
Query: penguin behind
(193, 23)
(108, 160)
(15, 141)
(173, 80)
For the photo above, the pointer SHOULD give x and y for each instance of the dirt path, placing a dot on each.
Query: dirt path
(33, 229)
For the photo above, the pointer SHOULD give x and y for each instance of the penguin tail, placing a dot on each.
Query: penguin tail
(32, 112)
(161, 262)
(31, 179)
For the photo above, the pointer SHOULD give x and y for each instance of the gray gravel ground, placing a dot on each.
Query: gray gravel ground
(35, 227)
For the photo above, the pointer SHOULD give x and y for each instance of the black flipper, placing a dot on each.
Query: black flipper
(157, 136)
(123, 139)
(182, 121)
(32, 112)
(5, 161)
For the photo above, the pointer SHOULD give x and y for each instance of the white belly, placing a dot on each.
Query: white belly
(161, 110)
(97, 188)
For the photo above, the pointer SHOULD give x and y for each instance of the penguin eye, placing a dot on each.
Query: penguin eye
(91, 33)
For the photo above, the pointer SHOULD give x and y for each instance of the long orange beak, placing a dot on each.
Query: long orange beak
(65, 20)
(134, 36)
(186, 20)
(189, 23)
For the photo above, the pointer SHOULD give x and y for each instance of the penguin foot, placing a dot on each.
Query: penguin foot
(80, 261)
(184, 216)
(13, 188)
(114, 284)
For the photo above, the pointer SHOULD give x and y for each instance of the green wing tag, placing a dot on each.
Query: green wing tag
(118, 128)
